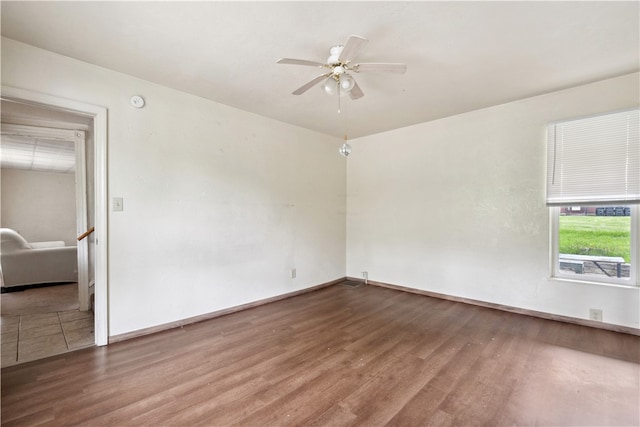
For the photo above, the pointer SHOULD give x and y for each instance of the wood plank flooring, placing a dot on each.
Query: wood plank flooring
(341, 356)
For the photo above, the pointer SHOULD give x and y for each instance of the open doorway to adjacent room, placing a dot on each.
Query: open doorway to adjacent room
(48, 197)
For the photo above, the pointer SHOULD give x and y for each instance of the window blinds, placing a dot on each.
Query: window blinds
(594, 160)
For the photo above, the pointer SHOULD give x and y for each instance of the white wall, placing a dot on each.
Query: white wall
(457, 206)
(41, 206)
(219, 204)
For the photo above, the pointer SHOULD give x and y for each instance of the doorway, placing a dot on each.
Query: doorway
(97, 118)
(49, 165)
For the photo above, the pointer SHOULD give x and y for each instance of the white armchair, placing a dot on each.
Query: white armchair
(22, 263)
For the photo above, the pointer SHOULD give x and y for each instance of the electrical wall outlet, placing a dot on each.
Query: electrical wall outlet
(293, 273)
(595, 314)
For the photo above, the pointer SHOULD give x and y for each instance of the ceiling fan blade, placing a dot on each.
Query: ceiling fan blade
(299, 62)
(356, 92)
(352, 48)
(380, 66)
(302, 89)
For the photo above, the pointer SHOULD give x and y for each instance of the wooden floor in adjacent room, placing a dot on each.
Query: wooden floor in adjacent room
(341, 356)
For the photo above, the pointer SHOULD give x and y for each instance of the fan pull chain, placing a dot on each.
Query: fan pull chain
(345, 122)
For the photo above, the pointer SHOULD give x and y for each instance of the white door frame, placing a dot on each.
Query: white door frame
(81, 220)
(99, 116)
(78, 139)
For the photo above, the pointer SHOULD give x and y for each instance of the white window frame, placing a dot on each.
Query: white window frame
(556, 273)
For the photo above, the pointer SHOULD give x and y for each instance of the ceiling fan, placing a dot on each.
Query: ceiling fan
(340, 64)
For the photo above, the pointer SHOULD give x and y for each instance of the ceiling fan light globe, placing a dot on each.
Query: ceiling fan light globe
(330, 86)
(346, 82)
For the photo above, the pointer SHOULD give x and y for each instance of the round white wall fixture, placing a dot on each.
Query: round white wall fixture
(137, 101)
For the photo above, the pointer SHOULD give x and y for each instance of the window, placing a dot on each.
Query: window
(593, 191)
(595, 243)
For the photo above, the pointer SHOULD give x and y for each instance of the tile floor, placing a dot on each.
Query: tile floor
(35, 336)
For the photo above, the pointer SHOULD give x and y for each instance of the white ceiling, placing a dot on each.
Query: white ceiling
(37, 154)
(18, 113)
(41, 154)
(461, 56)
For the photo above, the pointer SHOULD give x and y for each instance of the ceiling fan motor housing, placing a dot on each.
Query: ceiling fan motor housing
(334, 58)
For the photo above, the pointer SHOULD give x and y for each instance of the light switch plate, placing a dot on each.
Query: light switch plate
(118, 204)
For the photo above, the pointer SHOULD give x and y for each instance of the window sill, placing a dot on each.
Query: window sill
(629, 285)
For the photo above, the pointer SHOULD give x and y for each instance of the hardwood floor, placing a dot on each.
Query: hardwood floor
(341, 356)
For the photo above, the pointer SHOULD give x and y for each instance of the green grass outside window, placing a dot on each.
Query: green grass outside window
(596, 235)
